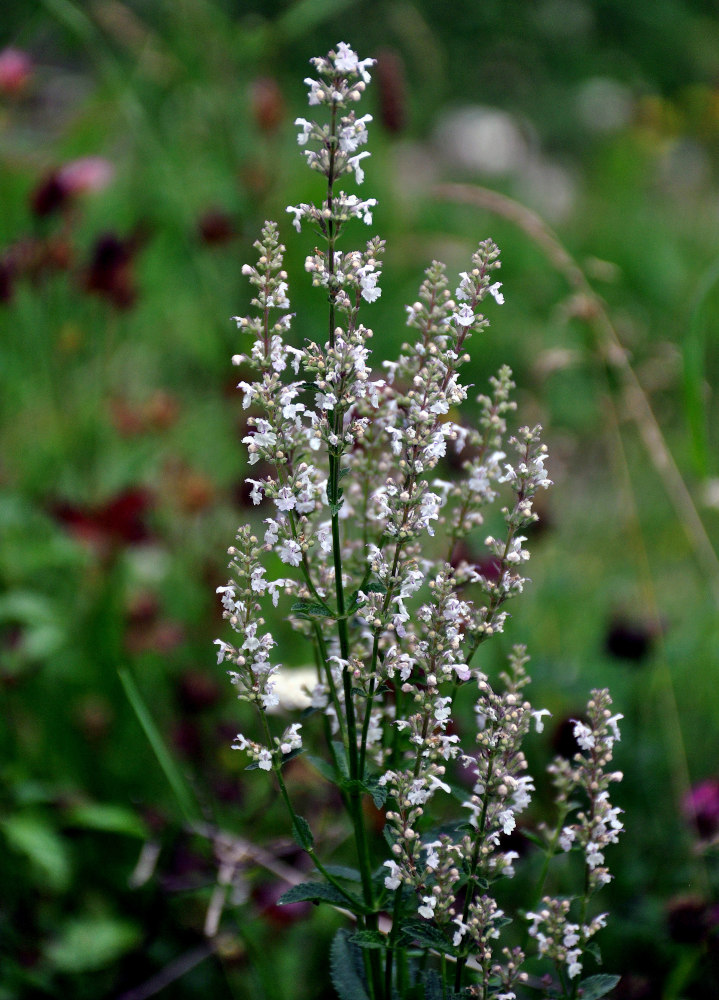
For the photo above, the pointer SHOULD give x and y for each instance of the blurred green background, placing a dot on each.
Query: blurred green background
(142, 144)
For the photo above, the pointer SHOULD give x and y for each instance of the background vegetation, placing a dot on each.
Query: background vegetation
(121, 468)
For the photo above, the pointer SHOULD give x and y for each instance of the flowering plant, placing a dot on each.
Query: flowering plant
(377, 581)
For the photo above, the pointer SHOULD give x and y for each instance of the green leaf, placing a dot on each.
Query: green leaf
(338, 752)
(346, 967)
(597, 986)
(91, 942)
(305, 15)
(335, 508)
(427, 935)
(433, 989)
(302, 833)
(369, 939)
(342, 871)
(108, 817)
(310, 608)
(323, 767)
(287, 757)
(321, 892)
(375, 587)
(33, 836)
(377, 791)
(533, 838)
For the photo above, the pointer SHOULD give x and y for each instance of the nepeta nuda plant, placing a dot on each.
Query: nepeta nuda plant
(375, 580)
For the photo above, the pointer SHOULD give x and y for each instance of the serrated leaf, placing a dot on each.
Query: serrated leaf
(377, 791)
(427, 935)
(345, 968)
(342, 871)
(375, 587)
(311, 608)
(433, 989)
(369, 939)
(597, 986)
(302, 833)
(343, 473)
(335, 508)
(321, 892)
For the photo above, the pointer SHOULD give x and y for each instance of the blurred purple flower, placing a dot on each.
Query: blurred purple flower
(701, 808)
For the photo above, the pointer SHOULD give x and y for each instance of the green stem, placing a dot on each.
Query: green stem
(462, 959)
(354, 799)
(393, 935)
(277, 766)
(582, 921)
(327, 673)
(368, 708)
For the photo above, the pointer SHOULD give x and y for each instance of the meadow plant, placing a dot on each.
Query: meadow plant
(377, 576)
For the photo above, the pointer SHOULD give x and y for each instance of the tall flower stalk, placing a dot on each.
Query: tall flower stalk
(378, 582)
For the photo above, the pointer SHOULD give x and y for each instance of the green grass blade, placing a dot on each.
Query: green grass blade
(694, 373)
(174, 776)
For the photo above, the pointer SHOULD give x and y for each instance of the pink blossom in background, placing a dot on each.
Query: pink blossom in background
(15, 70)
(89, 173)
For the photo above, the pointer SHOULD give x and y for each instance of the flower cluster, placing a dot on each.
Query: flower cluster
(595, 826)
(386, 583)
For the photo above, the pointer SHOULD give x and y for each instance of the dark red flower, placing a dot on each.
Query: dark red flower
(110, 271)
(120, 520)
(267, 103)
(62, 185)
(216, 227)
(392, 86)
(49, 196)
(628, 640)
(688, 919)
(701, 808)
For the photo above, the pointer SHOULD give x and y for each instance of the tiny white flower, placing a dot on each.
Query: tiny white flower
(305, 132)
(392, 881)
(354, 163)
(285, 499)
(464, 316)
(256, 491)
(222, 650)
(583, 735)
(316, 94)
(298, 211)
(290, 552)
(537, 715)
